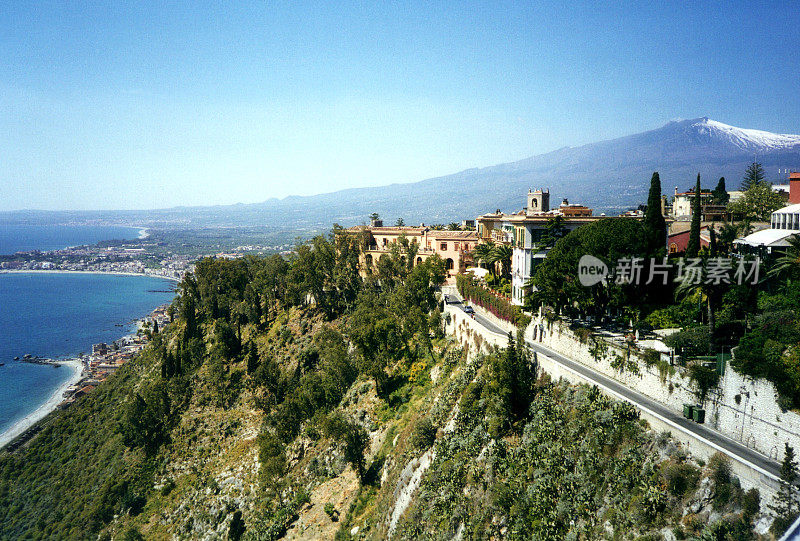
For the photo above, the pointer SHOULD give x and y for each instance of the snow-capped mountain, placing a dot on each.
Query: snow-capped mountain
(745, 139)
(609, 176)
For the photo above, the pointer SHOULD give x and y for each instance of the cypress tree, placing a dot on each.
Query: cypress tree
(712, 245)
(654, 223)
(693, 247)
(786, 506)
(720, 193)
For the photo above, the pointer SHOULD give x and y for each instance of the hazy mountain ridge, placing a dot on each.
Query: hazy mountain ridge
(608, 175)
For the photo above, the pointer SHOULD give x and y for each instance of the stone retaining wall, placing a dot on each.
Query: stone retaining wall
(742, 408)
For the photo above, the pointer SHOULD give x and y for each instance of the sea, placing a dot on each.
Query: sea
(61, 315)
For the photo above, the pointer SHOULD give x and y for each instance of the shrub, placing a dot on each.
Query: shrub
(704, 379)
(424, 434)
(472, 290)
(751, 503)
(331, 511)
(650, 357)
(690, 342)
(681, 479)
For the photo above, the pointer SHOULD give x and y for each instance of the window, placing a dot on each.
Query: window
(443, 246)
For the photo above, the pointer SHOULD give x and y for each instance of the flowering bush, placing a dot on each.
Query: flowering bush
(475, 292)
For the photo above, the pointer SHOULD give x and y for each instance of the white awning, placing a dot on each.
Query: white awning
(768, 237)
(478, 272)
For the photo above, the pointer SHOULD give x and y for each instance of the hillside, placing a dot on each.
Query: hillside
(255, 415)
(609, 176)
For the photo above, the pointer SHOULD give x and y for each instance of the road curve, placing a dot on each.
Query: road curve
(726, 444)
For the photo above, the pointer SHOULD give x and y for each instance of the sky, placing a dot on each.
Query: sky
(135, 105)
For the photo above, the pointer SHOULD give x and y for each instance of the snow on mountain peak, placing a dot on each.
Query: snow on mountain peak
(745, 139)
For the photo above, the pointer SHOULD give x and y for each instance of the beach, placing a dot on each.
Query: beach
(113, 273)
(51, 404)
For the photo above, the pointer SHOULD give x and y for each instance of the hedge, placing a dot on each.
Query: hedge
(475, 292)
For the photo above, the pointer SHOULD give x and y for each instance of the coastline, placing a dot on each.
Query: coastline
(60, 271)
(21, 426)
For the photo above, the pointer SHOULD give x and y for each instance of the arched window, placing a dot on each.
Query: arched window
(419, 260)
(449, 264)
(368, 260)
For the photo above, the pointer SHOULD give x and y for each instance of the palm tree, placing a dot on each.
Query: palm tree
(482, 253)
(727, 234)
(708, 293)
(452, 226)
(789, 263)
(502, 253)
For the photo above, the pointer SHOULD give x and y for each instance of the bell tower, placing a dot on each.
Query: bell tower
(538, 201)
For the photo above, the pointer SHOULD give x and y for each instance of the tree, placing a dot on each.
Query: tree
(610, 239)
(452, 226)
(753, 176)
(374, 217)
(786, 507)
(483, 252)
(720, 194)
(400, 222)
(655, 226)
(236, 528)
(709, 292)
(145, 421)
(354, 437)
(757, 203)
(788, 264)
(554, 230)
(509, 391)
(693, 246)
(501, 254)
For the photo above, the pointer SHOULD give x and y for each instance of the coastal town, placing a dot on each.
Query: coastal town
(89, 371)
(133, 258)
(105, 359)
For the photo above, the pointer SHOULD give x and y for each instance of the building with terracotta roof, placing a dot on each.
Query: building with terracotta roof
(454, 247)
(524, 231)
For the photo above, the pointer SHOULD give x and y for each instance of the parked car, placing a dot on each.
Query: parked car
(469, 310)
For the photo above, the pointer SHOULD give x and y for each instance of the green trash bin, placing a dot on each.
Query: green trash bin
(687, 411)
(699, 414)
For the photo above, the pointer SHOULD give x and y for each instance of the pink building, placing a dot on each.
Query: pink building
(454, 247)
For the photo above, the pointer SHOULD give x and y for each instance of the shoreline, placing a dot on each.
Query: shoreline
(23, 425)
(61, 271)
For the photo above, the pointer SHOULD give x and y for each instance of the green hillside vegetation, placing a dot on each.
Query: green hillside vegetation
(290, 395)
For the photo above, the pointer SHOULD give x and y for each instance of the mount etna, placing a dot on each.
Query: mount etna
(609, 176)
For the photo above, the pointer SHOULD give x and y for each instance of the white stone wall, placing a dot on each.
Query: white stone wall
(756, 420)
(699, 447)
(722, 412)
(469, 334)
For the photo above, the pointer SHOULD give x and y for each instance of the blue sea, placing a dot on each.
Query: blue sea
(61, 315)
(26, 238)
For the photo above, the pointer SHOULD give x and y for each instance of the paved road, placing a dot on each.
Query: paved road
(731, 447)
(458, 302)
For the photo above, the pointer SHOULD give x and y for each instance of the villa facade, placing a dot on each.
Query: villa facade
(523, 231)
(454, 247)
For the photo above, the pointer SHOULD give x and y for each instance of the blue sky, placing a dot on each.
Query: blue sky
(148, 105)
